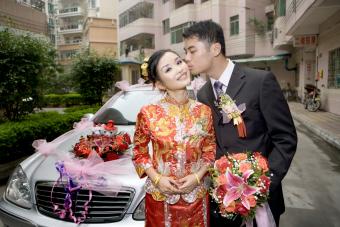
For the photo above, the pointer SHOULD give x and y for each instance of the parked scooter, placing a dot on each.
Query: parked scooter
(312, 97)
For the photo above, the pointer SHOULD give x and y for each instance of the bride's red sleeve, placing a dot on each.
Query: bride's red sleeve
(209, 143)
(141, 157)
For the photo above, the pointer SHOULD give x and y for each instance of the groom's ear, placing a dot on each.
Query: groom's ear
(216, 49)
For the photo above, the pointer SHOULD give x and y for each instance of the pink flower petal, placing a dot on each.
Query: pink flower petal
(245, 202)
(248, 190)
(231, 195)
(233, 180)
(247, 174)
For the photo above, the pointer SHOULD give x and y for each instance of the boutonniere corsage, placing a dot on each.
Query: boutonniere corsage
(230, 111)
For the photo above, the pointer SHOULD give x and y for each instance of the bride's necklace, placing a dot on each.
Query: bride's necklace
(171, 99)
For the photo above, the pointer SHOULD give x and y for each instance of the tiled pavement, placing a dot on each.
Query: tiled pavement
(324, 124)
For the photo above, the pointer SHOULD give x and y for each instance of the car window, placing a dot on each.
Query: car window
(125, 108)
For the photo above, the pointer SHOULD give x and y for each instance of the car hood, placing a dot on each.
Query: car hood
(42, 168)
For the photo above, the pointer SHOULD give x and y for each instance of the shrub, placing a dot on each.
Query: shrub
(26, 63)
(94, 75)
(63, 100)
(16, 137)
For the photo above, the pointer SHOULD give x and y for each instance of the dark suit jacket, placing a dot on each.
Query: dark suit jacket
(269, 125)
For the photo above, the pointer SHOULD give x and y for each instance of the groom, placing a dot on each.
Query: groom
(268, 122)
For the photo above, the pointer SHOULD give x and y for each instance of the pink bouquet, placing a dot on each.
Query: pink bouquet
(241, 186)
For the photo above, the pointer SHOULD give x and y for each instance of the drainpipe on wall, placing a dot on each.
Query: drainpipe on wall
(291, 69)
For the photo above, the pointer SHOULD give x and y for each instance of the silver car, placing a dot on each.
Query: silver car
(26, 201)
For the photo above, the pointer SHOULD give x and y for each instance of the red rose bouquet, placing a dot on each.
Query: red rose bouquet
(105, 140)
(241, 185)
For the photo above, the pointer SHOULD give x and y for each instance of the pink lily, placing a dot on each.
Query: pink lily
(237, 187)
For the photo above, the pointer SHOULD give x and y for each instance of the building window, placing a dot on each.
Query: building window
(234, 25)
(140, 10)
(334, 69)
(177, 32)
(68, 54)
(270, 21)
(204, 1)
(50, 8)
(164, 1)
(92, 4)
(166, 26)
(281, 8)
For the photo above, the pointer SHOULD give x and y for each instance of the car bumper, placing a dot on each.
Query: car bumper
(13, 216)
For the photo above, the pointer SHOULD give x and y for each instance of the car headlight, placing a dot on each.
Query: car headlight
(18, 189)
(139, 213)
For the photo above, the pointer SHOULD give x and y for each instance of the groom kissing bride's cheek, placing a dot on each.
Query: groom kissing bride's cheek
(249, 112)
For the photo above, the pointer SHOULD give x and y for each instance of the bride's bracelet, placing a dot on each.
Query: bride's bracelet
(157, 179)
(197, 178)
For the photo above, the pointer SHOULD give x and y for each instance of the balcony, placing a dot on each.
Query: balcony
(70, 42)
(138, 11)
(139, 42)
(70, 12)
(180, 3)
(71, 28)
(304, 17)
(185, 13)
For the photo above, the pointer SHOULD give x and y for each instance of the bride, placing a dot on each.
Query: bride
(183, 142)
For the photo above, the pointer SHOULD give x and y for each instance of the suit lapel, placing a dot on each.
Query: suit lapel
(236, 82)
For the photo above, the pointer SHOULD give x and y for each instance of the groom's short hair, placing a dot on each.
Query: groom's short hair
(208, 31)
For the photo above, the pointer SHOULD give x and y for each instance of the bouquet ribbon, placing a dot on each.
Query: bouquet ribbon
(263, 217)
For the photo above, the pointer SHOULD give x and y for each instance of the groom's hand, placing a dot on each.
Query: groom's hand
(187, 184)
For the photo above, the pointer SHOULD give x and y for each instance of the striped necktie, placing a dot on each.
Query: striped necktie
(218, 86)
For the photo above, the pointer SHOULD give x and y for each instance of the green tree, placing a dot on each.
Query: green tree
(94, 75)
(26, 63)
(259, 26)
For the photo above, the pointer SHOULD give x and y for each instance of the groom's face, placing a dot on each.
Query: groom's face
(197, 55)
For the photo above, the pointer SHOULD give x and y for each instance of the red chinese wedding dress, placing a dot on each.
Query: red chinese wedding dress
(183, 140)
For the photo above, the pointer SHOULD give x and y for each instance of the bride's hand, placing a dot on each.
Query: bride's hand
(168, 185)
(187, 184)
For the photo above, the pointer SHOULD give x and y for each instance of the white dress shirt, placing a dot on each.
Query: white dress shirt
(225, 77)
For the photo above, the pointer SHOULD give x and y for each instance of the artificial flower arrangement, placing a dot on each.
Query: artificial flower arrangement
(105, 140)
(230, 111)
(241, 185)
(93, 164)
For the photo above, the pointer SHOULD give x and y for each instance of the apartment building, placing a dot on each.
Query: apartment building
(86, 23)
(24, 16)
(50, 9)
(149, 25)
(311, 30)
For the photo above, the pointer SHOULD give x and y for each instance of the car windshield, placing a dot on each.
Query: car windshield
(124, 110)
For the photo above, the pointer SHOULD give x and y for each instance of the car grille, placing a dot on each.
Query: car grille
(102, 208)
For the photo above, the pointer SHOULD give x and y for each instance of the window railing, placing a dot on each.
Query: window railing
(69, 10)
(140, 10)
(138, 42)
(70, 27)
(177, 32)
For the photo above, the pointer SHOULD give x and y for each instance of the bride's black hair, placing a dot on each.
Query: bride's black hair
(153, 63)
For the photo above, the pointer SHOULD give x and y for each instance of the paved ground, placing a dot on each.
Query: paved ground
(47, 109)
(2, 189)
(311, 187)
(324, 124)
